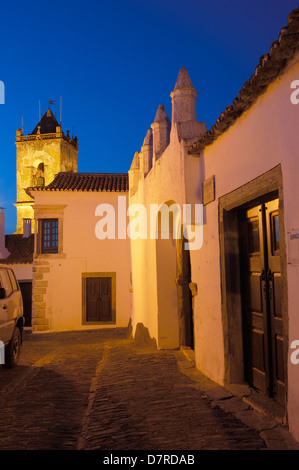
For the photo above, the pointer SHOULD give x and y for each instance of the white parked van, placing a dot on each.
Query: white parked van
(11, 318)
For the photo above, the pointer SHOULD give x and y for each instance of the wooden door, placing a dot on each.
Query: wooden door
(26, 290)
(98, 299)
(262, 300)
(254, 306)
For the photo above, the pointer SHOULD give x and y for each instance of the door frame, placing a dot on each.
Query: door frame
(113, 297)
(265, 186)
(27, 281)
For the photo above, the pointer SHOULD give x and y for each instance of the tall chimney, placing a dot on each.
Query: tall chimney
(146, 154)
(4, 253)
(183, 98)
(26, 228)
(161, 132)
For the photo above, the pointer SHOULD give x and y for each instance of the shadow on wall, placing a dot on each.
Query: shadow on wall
(202, 179)
(142, 338)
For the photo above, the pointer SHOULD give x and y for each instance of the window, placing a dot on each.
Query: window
(253, 236)
(13, 280)
(274, 233)
(5, 282)
(49, 236)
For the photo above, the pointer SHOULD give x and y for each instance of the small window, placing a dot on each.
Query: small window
(5, 282)
(275, 233)
(49, 236)
(13, 280)
(253, 236)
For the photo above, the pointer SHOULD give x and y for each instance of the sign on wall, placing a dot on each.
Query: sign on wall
(293, 247)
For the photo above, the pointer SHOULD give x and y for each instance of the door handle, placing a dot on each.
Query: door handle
(270, 283)
(267, 278)
(5, 307)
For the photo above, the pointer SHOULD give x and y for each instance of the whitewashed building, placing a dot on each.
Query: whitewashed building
(79, 281)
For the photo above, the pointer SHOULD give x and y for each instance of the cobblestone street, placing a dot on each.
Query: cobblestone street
(99, 390)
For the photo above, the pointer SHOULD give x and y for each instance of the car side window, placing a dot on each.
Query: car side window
(13, 280)
(5, 282)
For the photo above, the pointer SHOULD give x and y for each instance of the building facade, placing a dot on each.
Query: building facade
(81, 280)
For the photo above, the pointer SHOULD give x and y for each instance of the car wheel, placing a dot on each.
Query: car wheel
(12, 350)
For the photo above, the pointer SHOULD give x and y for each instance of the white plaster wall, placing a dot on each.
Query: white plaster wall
(144, 280)
(154, 288)
(23, 272)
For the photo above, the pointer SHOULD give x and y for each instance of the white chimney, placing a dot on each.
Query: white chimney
(4, 253)
(26, 228)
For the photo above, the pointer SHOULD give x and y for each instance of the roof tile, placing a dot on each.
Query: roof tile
(20, 248)
(67, 181)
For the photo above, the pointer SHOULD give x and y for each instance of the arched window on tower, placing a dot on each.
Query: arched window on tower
(40, 175)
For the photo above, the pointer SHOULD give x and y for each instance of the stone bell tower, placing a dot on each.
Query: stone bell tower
(40, 155)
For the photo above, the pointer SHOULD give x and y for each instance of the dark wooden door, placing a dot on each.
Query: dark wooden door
(98, 299)
(254, 307)
(262, 300)
(26, 290)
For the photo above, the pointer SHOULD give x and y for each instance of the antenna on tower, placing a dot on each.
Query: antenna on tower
(60, 110)
(22, 126)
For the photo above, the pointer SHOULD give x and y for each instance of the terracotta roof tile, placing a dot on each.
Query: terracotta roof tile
(67, 181)
(20, 248)
(269, 68)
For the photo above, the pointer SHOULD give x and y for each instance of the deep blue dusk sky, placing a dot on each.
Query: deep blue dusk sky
(114, 62)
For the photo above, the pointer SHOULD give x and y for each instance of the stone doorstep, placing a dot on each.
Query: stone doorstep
(274, 434)
(266, 406)
(189, 354)
(260, 403)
